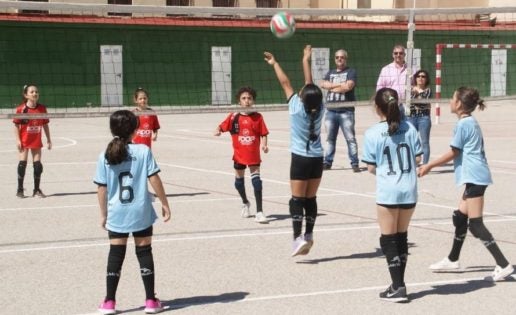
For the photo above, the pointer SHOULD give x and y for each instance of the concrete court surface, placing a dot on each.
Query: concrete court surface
(211, 261)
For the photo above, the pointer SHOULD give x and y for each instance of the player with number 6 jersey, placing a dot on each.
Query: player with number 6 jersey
(123, 171)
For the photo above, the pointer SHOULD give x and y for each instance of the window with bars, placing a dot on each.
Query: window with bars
(225, 3)
(267, 3)
(125, 2)
(34, 11)
(364, 4)
(179, 3)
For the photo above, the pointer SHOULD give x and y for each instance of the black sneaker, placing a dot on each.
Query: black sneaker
(396, 296)
(19, 193)
(326, 166)
(356, 169)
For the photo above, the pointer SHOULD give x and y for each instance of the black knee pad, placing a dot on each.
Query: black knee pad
(402, 246)
(311, 208)
(460, 221)
(142, 251)
(22, 166)
(144, 255)
(296, 208)
(38, 169)
(256, 181)
(389, 246)
(115, 260)
(479, 230)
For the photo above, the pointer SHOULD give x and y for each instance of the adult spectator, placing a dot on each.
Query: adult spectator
(340, 84)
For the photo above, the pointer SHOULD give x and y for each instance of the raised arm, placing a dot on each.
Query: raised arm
(280, 74)
(307, 70)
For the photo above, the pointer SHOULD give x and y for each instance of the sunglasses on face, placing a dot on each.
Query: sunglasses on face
(398, 53)
(340, 57)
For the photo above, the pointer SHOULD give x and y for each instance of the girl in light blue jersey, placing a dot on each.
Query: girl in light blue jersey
(392, 150)
(125, 206)
(471, 170)
(306, 164)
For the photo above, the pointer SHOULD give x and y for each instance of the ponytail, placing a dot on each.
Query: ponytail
(393, 115)
(387, 101)
(116, 151)
(122, 123)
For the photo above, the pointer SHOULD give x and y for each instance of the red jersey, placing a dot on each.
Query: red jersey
(30, 129)
(148, 124)
(246, 132)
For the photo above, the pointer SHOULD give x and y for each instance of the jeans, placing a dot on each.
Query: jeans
(423, 124)
(344, 120)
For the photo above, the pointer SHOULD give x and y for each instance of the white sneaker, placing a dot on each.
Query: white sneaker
(309, 238)
(261, 218)
(245, 210)
(445, 264)
(299, 246)
(500, 273)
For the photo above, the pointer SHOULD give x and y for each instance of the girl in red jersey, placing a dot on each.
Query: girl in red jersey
(28, 137)
(148, 129)
(248, 131)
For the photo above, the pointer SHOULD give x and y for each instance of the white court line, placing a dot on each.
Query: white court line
(72, 143)
(321, 293)
(335, 191)
(502, 161)
(54, 163)
(204, 237)
(174, 202)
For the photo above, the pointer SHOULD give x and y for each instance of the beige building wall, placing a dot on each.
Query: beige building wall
(502, 3)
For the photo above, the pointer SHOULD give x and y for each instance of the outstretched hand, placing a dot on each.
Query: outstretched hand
(423, 170)
(307, 52)
(269, 58)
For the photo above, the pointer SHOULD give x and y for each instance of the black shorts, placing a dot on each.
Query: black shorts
(239, 166)
(143, 233)
(304, 168)
(473, 191)
(404, 206)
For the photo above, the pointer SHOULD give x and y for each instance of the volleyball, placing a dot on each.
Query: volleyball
(283, 25)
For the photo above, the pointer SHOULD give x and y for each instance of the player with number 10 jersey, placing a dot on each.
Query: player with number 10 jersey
(394, 157)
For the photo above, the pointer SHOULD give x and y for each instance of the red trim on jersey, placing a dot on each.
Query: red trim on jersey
(246, 143)
(30, 129)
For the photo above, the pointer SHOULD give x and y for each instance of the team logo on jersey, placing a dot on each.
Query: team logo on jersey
(144, 133)
(245, 138)
(33, 129)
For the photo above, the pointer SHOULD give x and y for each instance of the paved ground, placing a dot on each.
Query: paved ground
(211, 261)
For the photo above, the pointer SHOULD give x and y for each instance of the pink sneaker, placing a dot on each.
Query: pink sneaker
(107, 307)
(153, 306)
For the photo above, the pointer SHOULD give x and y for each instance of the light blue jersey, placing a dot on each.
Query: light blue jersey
(129, 204)
(395, 160)
(300, 129)
(471, 164)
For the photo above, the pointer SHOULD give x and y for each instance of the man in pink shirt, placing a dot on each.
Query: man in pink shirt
(394, 75)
